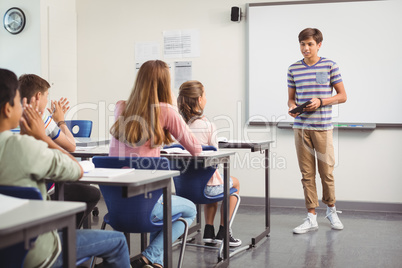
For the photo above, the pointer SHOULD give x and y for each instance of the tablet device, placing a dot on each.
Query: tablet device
(299, 109)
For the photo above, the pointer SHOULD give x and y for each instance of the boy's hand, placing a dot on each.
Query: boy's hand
(31, 123)
(58, 109)
(291, 108)
(314, 105)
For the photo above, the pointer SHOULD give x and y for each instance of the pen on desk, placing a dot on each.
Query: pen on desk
(356, 125)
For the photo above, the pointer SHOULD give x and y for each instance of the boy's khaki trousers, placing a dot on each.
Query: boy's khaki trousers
(312, 144)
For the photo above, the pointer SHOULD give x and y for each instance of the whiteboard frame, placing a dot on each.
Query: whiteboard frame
(250, 5)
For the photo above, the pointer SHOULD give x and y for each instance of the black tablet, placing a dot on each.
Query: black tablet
(299, 109)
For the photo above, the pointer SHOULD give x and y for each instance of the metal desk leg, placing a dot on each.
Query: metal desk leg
(226, 175)
(267, 195)
(69, 241)
(265, 233)
(59, 190)
(167, 226)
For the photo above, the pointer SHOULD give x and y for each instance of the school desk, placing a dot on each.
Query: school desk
(213, 158)
(87, 152)
(87, 142)
(141, 181)
(256, 146)
(37, 217)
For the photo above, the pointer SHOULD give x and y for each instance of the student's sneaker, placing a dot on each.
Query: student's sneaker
(332, 216)
(233, 242)
(309, 224)
(209, 234)
(138, 263)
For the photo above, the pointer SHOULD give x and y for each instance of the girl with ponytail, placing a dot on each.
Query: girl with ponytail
(191, 103)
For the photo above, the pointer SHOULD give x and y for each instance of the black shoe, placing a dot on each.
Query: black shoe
(138, 263)
(209, 234)
(233, 242)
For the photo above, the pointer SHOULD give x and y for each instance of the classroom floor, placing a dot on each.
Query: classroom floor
(369, 239)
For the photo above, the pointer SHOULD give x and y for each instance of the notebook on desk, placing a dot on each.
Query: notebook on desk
(107, 172)
(174, 150)
(179, 151)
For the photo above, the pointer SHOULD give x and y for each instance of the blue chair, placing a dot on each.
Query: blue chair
(133, 215)
(14, 256)
(21, 192)
(84, 128)
(191, 183)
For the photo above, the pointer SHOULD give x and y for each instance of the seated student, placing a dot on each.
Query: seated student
(191, 103)
(144, 122)
(26, 159)
(36, 90)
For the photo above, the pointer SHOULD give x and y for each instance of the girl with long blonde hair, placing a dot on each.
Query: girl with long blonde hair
(145, 122)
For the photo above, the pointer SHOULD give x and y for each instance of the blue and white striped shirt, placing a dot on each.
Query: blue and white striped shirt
(315, 81)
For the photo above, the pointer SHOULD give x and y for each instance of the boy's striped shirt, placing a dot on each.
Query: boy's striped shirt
(51, 128)
(314, 82)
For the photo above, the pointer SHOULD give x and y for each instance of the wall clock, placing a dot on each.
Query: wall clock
(14, 20)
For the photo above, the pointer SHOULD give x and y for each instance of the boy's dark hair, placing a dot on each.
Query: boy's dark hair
(30, 84)
(8, 87)
(311, 32)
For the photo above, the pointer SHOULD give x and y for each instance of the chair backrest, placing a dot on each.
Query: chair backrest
(128, 214)
(21, 192)
(193, 178)
(14, 255)
(84, 128)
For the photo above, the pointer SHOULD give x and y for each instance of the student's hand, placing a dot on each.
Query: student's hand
(34, 103)
(64, 104)
(291, 114)
(58, 109)
(314, 105)
(31, 123)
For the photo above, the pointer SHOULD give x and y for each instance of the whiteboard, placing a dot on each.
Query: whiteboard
(363, 37)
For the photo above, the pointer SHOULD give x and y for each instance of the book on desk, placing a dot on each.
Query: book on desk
(107, 172)
(177, 150)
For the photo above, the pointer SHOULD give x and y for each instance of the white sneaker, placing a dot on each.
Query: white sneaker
(309, 224)
(332, 216)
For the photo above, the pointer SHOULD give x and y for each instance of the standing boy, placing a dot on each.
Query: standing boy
(25, 160)
(314, 78)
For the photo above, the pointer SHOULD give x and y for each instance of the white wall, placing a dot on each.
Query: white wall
(59, 36)
(21, 53)
(46, 47)
(367, 162)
